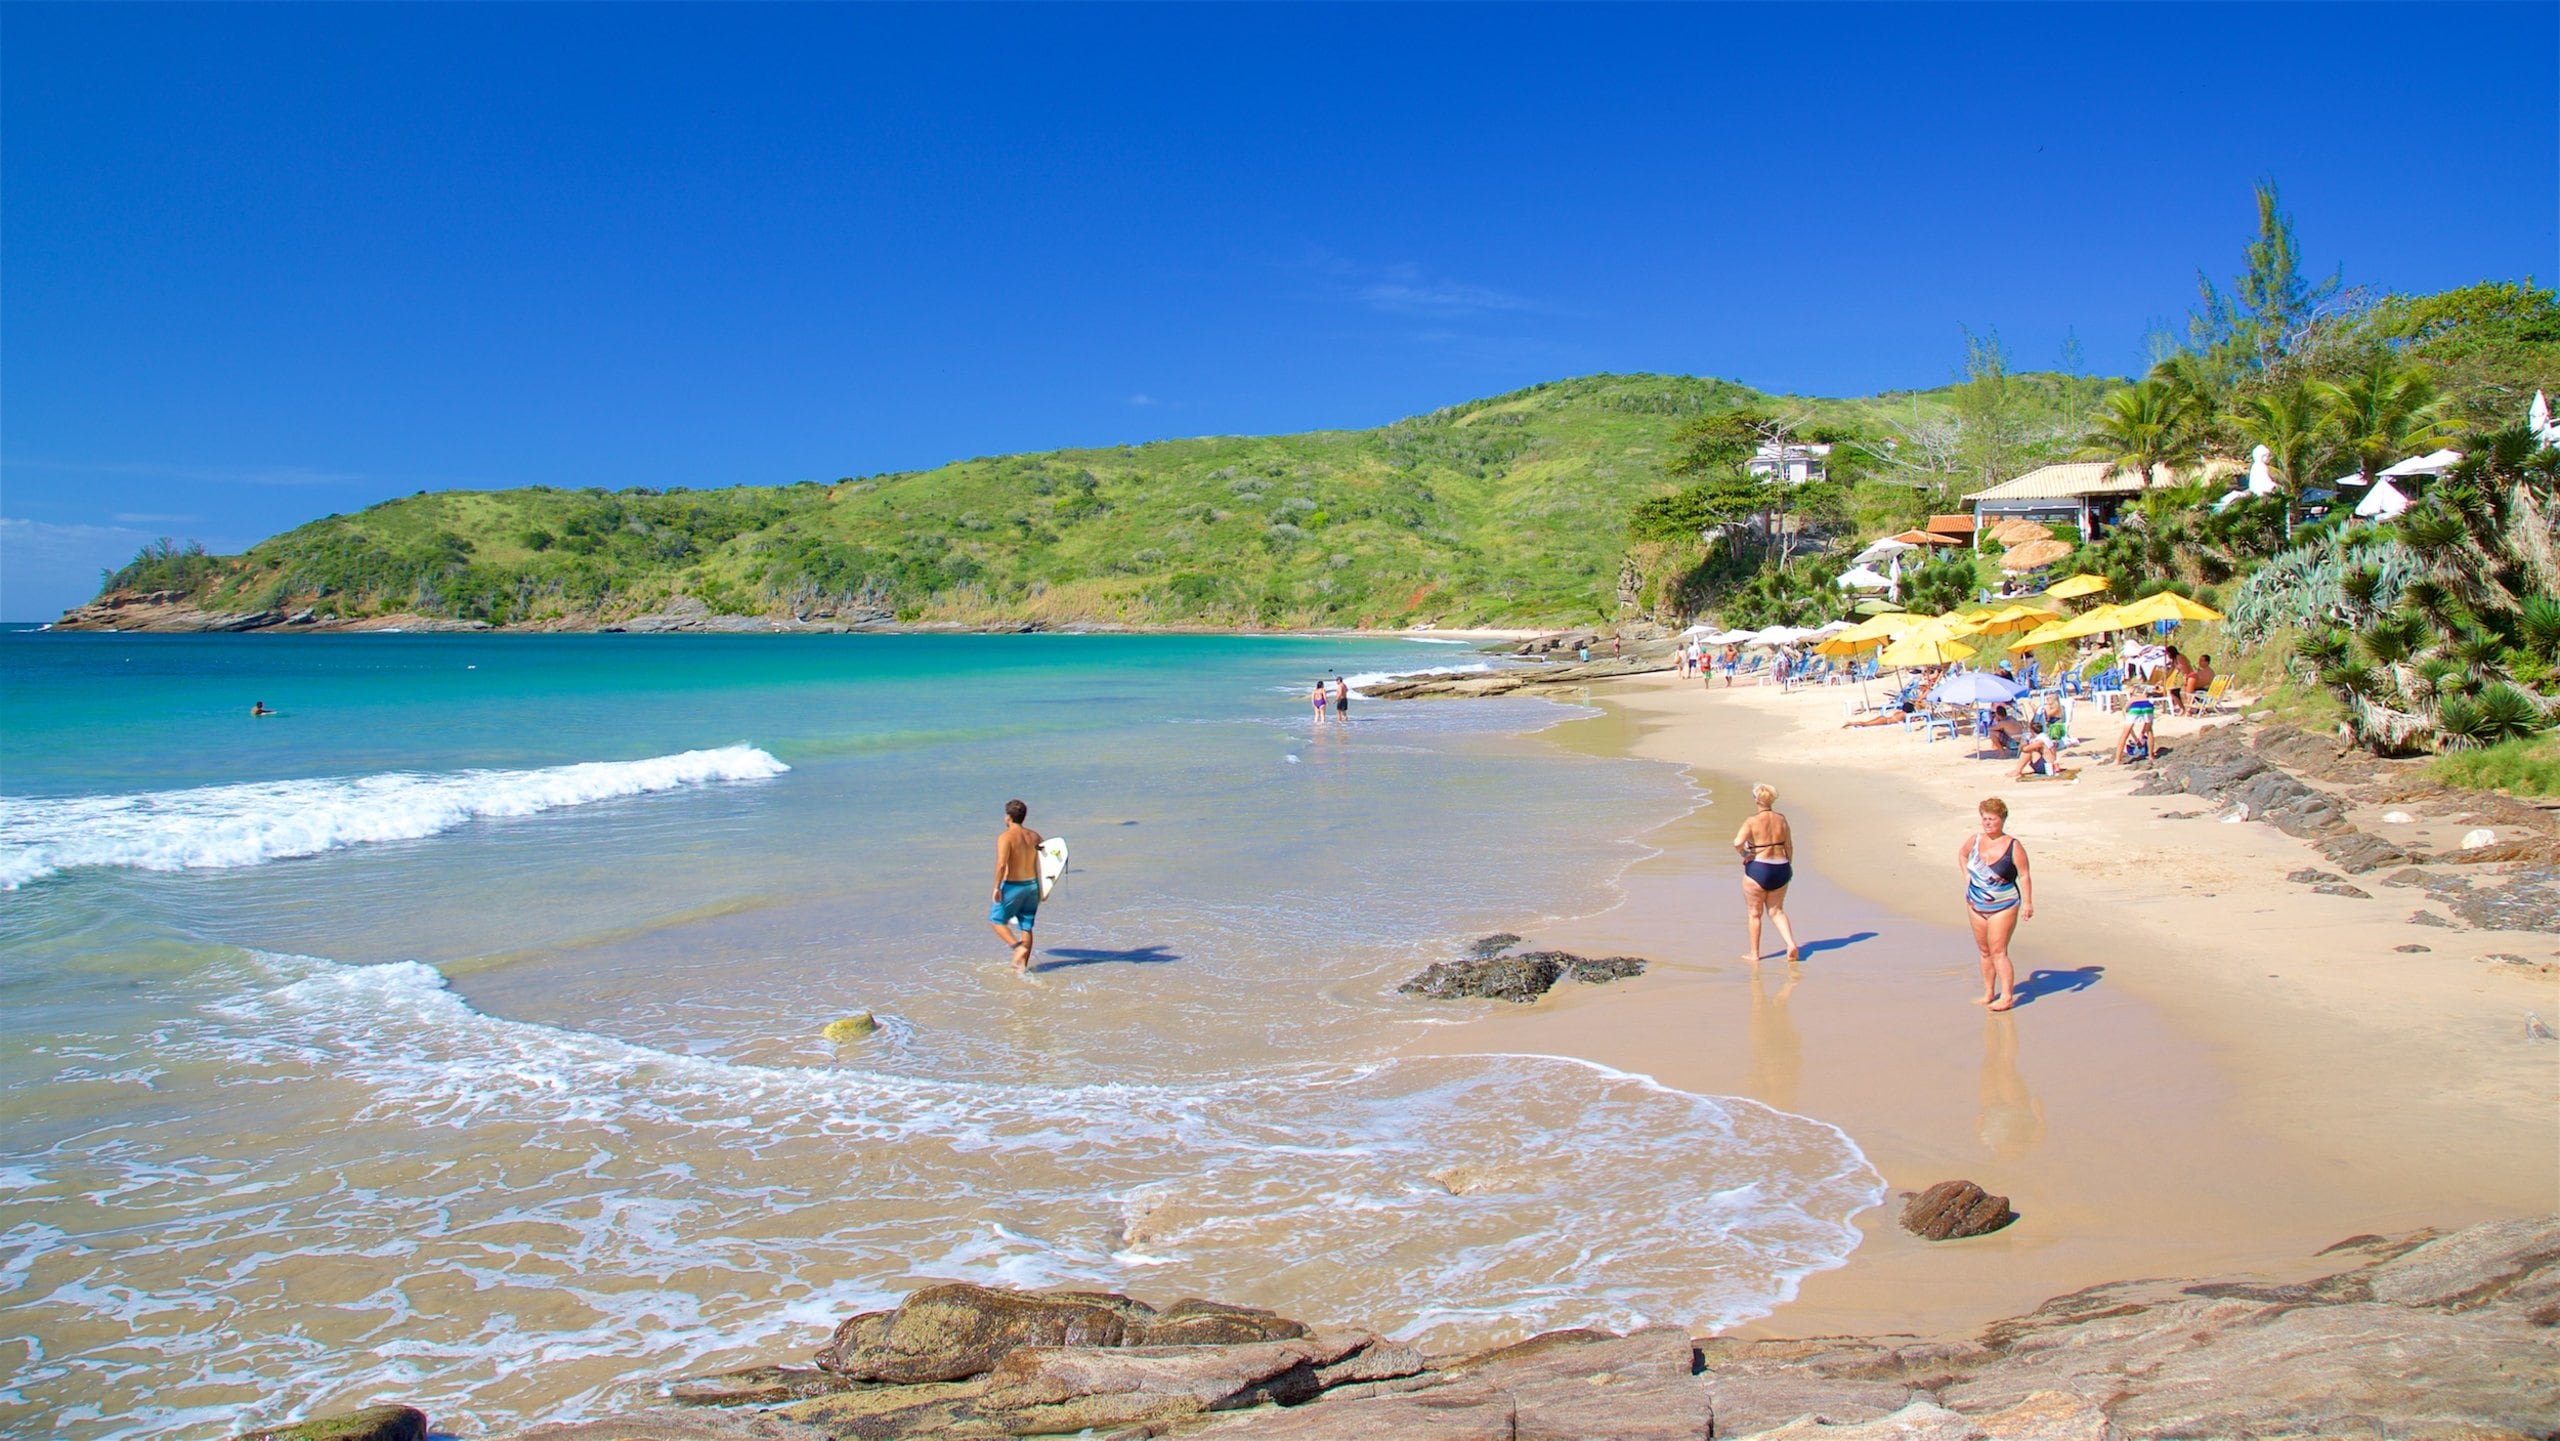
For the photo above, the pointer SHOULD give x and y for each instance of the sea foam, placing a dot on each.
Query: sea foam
(530, 1210)
(214, 827)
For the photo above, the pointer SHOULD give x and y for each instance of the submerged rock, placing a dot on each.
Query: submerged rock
(1952, 1210)
(374, 1423)
(1492, 945)
(1519, 978)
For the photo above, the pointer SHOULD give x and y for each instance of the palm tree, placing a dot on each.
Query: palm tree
(2294, 427)
(2141, 426)
(2385, 411)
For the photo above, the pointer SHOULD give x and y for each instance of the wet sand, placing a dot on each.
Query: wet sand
(2212, 1069)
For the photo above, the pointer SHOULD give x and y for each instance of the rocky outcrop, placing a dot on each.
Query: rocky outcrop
(162, 612)
(1952, 1210)
(2427, 1336)
(374, 1423)
(944, 1333)
(1463, 683)
(1521, 977)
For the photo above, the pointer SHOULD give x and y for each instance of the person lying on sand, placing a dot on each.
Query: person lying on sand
(1891, 714)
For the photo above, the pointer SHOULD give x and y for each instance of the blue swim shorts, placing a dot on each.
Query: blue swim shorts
(1018, 906)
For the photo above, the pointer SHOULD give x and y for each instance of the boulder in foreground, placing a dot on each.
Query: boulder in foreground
(1952, 1210)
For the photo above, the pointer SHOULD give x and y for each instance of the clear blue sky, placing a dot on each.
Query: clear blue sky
(265, 262)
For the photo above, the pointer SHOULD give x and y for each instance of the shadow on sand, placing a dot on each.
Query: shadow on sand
(1836, 943)
(1065, 956)
(2053, 983)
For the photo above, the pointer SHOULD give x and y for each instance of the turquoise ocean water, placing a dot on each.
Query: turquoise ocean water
(452, 1036)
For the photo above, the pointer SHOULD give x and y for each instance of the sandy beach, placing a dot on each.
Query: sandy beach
(2213, 1069)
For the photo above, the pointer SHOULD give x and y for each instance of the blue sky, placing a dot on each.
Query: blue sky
(267, 262)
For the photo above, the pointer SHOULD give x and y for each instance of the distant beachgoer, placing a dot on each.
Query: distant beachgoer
(2135, 741)
(1732, 661)
(1320, 701)
(2201, 681)
(1998, 893)
(1617, 648)
(1341, 699)
(1768, 850)
(1583, 652)
(1015, 899)
(1891, 714)
(260, 709)
(2181, 679)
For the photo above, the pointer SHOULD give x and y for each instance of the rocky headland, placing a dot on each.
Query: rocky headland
(2427, 1336)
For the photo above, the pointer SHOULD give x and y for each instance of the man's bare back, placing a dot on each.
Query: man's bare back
(1014, 899)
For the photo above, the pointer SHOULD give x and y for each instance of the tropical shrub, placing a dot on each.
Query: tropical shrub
(2466, 655)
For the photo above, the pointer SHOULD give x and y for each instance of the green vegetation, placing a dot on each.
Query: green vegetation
(1507, 510)
(2521, 767)
(2467, 652)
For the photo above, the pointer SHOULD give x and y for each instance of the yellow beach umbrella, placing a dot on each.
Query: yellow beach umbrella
(1923, 648)
(2012, 619)
(1872, 632)
(2046, 634)
(2078, 585)
(2167, 605)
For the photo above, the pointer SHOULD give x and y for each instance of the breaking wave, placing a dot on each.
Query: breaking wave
(215, 827)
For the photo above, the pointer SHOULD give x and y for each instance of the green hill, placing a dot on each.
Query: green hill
(1510, 510)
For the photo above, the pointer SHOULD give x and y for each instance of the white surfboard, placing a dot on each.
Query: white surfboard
(1053, 864)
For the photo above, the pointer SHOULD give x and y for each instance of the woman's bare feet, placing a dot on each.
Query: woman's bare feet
(2009, 1004)
(1794, 955)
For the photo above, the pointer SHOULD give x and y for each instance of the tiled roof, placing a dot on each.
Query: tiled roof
(2071, 480)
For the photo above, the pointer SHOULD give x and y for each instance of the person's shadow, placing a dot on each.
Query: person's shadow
(1836, 943)
(2053, 983)
(1065, 956)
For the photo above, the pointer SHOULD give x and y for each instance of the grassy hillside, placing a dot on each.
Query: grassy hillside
(1507, 510)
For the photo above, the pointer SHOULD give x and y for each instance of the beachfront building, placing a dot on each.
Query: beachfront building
(2084, 495)
(1793, 463)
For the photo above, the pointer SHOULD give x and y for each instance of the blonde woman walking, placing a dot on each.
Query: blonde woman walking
(1768, 850)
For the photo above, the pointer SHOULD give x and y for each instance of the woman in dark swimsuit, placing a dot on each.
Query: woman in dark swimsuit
(1768, 850)
(1998, 893)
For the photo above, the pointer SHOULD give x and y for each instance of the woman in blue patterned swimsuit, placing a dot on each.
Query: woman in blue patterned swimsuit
(1998, 893)
(1768, 849)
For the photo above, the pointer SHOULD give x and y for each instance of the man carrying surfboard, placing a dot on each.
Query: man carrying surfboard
(1016, 897)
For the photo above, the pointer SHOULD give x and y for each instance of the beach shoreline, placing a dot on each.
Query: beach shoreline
(2214, 1070)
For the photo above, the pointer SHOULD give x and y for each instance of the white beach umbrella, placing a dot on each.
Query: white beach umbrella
(2262, 480)
(1865, 577)
(2382, 502)
(1776, 635)
(1881, 550)
(2435, 462)
(2538, 417)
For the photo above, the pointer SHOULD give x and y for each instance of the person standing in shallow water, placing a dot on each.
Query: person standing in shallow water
(1341, 699)
(1998, 893)
(1016, 897)
(1768, 850)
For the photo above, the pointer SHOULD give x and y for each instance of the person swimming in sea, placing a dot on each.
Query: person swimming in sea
(1768, 849)
(260, 709)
